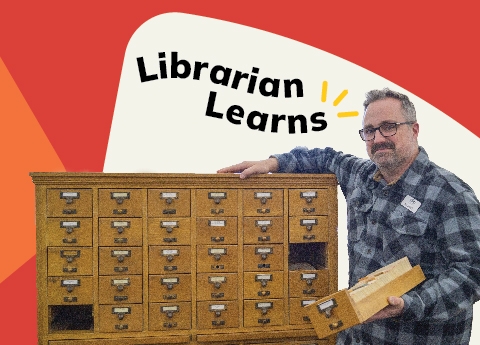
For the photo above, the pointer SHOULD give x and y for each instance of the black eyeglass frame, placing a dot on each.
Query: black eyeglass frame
(374, 129)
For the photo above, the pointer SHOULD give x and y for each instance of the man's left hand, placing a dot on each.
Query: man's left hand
(395, 308)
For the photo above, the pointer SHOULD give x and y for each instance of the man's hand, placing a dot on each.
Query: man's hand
(395, 308)
(249, 168)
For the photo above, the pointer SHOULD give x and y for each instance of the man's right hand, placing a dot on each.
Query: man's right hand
(249, 168)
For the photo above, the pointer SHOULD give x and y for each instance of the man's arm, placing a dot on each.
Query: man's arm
(249, 168)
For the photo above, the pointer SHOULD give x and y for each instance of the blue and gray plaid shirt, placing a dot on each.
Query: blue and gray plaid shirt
(442, 235)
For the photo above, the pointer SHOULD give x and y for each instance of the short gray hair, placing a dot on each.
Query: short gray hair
(408, 108)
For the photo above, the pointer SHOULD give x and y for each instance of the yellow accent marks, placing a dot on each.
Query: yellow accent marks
(324, 91)
(347, 114)
(340, 98)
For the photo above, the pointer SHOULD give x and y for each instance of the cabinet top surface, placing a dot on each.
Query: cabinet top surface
(187, 180)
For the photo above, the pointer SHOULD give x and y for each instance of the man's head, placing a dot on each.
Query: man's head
(394, 146)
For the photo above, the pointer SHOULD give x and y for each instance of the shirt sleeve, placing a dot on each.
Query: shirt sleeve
(302, 160)
(454, 291)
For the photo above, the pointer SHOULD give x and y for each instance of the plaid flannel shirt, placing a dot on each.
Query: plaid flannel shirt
(442, 236)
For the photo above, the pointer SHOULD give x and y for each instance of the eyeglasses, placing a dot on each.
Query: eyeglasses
(386, 130)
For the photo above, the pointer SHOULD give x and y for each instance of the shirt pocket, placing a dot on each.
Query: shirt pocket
(405, 235)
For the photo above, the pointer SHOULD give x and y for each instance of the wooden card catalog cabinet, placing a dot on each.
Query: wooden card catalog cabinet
(183, 258)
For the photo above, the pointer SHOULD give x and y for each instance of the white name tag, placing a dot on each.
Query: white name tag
(411, 203)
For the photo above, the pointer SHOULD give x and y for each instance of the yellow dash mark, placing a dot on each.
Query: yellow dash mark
(340, 98)
(324, 91)
(347, 114)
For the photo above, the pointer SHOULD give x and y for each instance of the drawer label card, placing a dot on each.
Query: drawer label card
(121, 253)
(217, 307)
(170, 309)
(263, 250)
(121, 281)
(263, 222)
(217, 195)
(217, 251)
(308, 276)
(166, 252)
(69, 195)
(70, 282)
(167, 281)
(306, 302)
(308, 194)
(217, 279)
(120, 195)
(69, 224)
(169, 224)
(263, 195)
(169, 195)
(123, 224)
(264, 305)
(217, 222)
(123, 310)
(308, 222)
(260, 277)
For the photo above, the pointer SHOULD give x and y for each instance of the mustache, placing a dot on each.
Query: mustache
(381, 146)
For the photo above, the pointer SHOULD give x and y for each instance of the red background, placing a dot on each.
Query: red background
(66, 59)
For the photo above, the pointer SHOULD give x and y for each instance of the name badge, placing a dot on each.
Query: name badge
(411, 203)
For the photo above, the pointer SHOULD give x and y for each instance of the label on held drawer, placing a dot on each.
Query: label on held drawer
(306, 302)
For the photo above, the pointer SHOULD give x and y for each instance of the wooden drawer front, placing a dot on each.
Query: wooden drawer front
(170, 288)
(217, 258)
(263, 313)
(69, 261)
(121, 318)
(169, 203)
(69, 202)
(258, 230)
(263, 257)
(64, 232)
(120, 232)
(170, 316)
(118, 260)
(263, 202)
(217, 202)
(261, 285)
(298, 315)
(308, 229)
(308, 283)
(217, 315)
(70, 290)
(165, 231)
(120, 289)
(217, 286)
(120, 203)
(308, 202)
(217, 230)
(169, 259)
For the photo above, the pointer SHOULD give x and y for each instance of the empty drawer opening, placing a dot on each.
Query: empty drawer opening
(307, 256)
(70, 318)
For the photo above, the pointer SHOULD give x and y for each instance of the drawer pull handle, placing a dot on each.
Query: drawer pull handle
(121, 327)
(308, 237)
(218, 239)
(72, 240)
(69, 211)
(215, 211)
(120, 298)
(217, 267)
(336, 325)
(309, 210)
(170, 268)
(169, 297)
(120, 240)
(263, 321)
(69, 270)
(264, 293)
(169, 239)
(70, 299)
(218, 295)
(263, 238)
(120, 211)
(170, 211)
(306, 318)
(120, 269)
(263, 210)
(309, 291)
(169, 324)
(218, 323)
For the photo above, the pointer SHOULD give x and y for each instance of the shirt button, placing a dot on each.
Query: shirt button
(385, 193)
(369, 251)
(373, 222)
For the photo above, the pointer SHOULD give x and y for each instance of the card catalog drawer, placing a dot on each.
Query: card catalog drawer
(69, 261)
(217, 230)
(169, 203)
(263, 257)
(263, 202)
(217, 258)
(308, 229)
(70, 290)
(120, 202)
(308, 283)
(114, 260)
(64, 231)
(69, 202)
(257, 230)
(212, 286)
(263, 313)
(165, 231)
(308, 202)
(121, 318)
(170, 316)
(168, 288)
(260, 285)
(217, 202)
(169, 259)
(120, 289)
(217, 315)
(120, 232)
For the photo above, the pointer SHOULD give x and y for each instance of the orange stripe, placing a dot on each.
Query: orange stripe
(25, 148)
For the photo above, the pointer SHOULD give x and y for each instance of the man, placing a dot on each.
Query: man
(399, 203)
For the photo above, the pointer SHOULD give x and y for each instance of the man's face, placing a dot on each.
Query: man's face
(394, 151)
